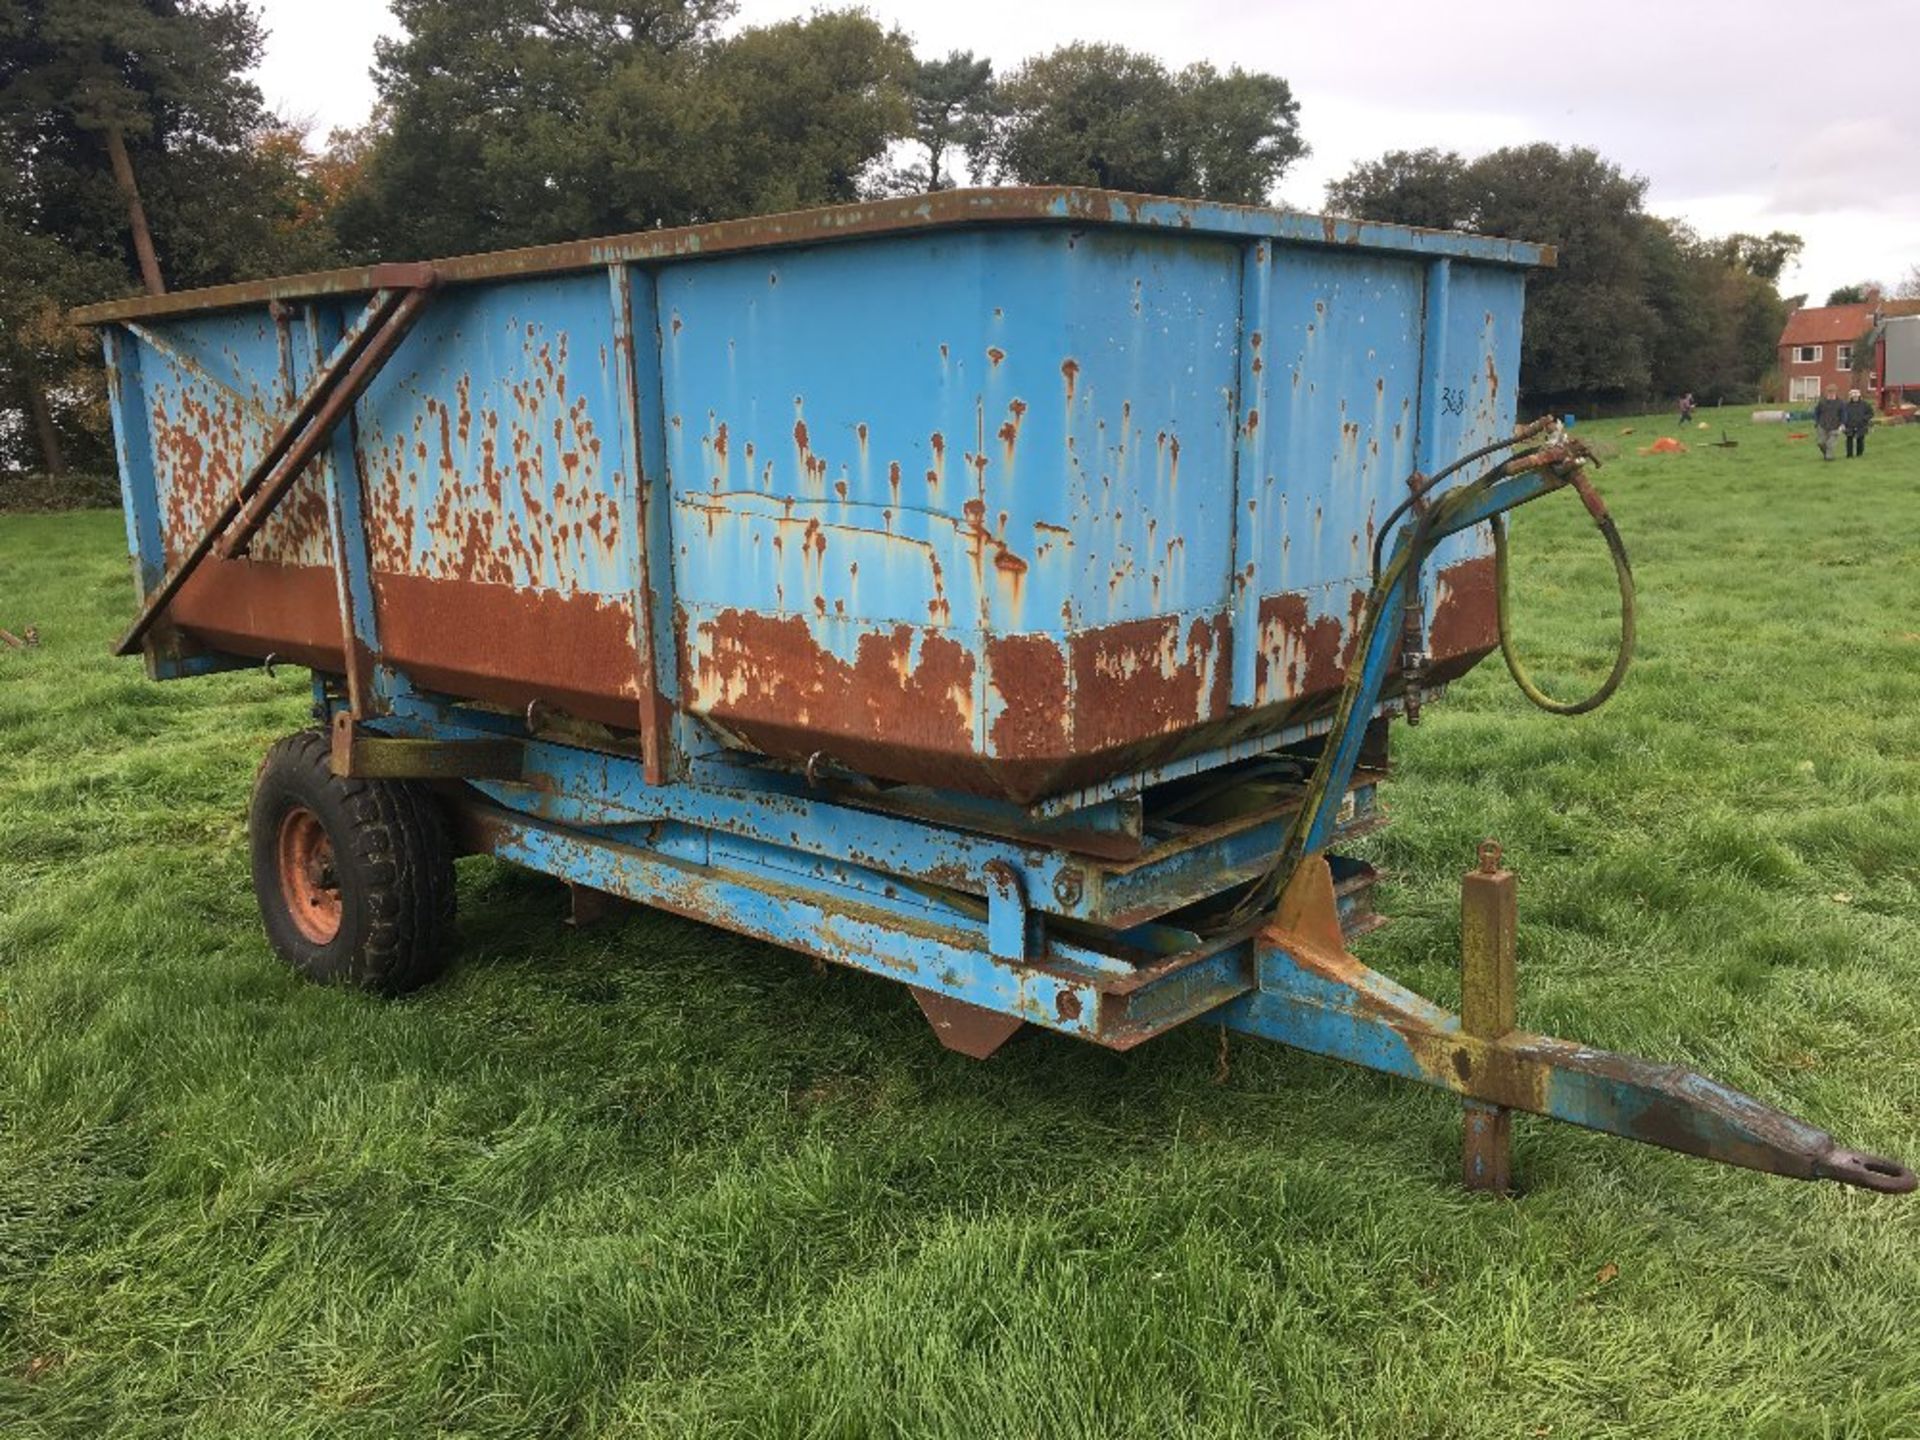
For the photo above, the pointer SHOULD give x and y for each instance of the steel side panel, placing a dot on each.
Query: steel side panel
(962, 508)
(211, 399)
(1475, 405)
(502, 499)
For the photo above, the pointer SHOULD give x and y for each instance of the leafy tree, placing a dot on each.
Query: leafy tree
(1720, 322)
(1427, 187)
(518, 121)
(1590, 321)
(113, 103)
(139, 151)
(1762, 256)
(1237, 133)
(952, 103)
(811, 108)
(1848, 295)
(1085, 115)
(1689, 346)
(1637, 306)
(52, 413)
(1102, 115)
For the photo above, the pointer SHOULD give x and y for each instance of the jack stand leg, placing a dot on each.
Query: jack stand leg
(1487, 972)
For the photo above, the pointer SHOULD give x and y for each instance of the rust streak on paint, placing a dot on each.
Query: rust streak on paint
(1029, 674)
(1299, 654)
(1465, 624)
(771, 680)
(1010, 429)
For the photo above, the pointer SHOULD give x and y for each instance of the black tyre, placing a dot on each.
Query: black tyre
(354, 877)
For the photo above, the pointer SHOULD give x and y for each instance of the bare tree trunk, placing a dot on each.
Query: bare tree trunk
(43, 428)
(136, 212)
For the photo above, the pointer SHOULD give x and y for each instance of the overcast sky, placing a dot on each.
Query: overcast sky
(1751, 116)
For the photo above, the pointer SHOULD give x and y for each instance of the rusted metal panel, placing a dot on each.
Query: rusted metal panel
(993, 509)
(210, 401)
(1004, 536)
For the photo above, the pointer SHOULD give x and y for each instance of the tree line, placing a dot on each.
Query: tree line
(144, 157)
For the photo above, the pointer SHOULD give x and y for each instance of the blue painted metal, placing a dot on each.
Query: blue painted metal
(1042, 497)
(1330, 1004)
(595, 791)
(1253, 484)
(133, 453)
(372, 683)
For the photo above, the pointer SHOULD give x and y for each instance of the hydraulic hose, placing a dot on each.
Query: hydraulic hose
(1623, 574)
(1403, 568)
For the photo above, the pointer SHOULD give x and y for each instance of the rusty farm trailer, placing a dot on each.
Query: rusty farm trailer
(1005, 591)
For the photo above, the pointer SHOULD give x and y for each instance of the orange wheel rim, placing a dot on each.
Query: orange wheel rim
(307, 879)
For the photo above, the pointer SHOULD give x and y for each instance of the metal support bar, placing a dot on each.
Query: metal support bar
(1251, 571)
(369, 683)
(1488, 920)
(338, 383)
(637, 370)
(1007, 919)
(1316, 996)
(339, 391)
(354, 752)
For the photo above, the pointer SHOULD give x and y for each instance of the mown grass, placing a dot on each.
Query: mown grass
(653, 1179)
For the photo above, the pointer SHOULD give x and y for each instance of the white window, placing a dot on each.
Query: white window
(1843, 356)
(1808, 354)
(1804, 387)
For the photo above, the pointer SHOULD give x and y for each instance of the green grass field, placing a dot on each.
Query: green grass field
(652, 1179)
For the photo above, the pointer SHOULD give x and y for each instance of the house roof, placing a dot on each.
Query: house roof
(1840, 324)
(1827, 325)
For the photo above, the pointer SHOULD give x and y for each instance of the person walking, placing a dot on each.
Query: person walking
(1828, 416)
(1686, 407)
(1858, 419)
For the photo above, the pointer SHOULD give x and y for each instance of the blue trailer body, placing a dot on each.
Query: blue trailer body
(978, 589)
(1018, 497)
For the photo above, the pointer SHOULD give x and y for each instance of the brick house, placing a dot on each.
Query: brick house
(1817, 348)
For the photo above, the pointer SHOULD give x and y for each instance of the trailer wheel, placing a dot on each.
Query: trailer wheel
(354, 877)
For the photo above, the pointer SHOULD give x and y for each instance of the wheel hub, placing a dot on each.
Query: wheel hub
(308, 883)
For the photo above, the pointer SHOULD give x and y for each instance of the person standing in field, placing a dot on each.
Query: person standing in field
(1686, 407)
(1828, 416)
(1858, 419)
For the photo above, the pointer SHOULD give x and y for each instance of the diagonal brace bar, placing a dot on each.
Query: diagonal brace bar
(354, 362)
